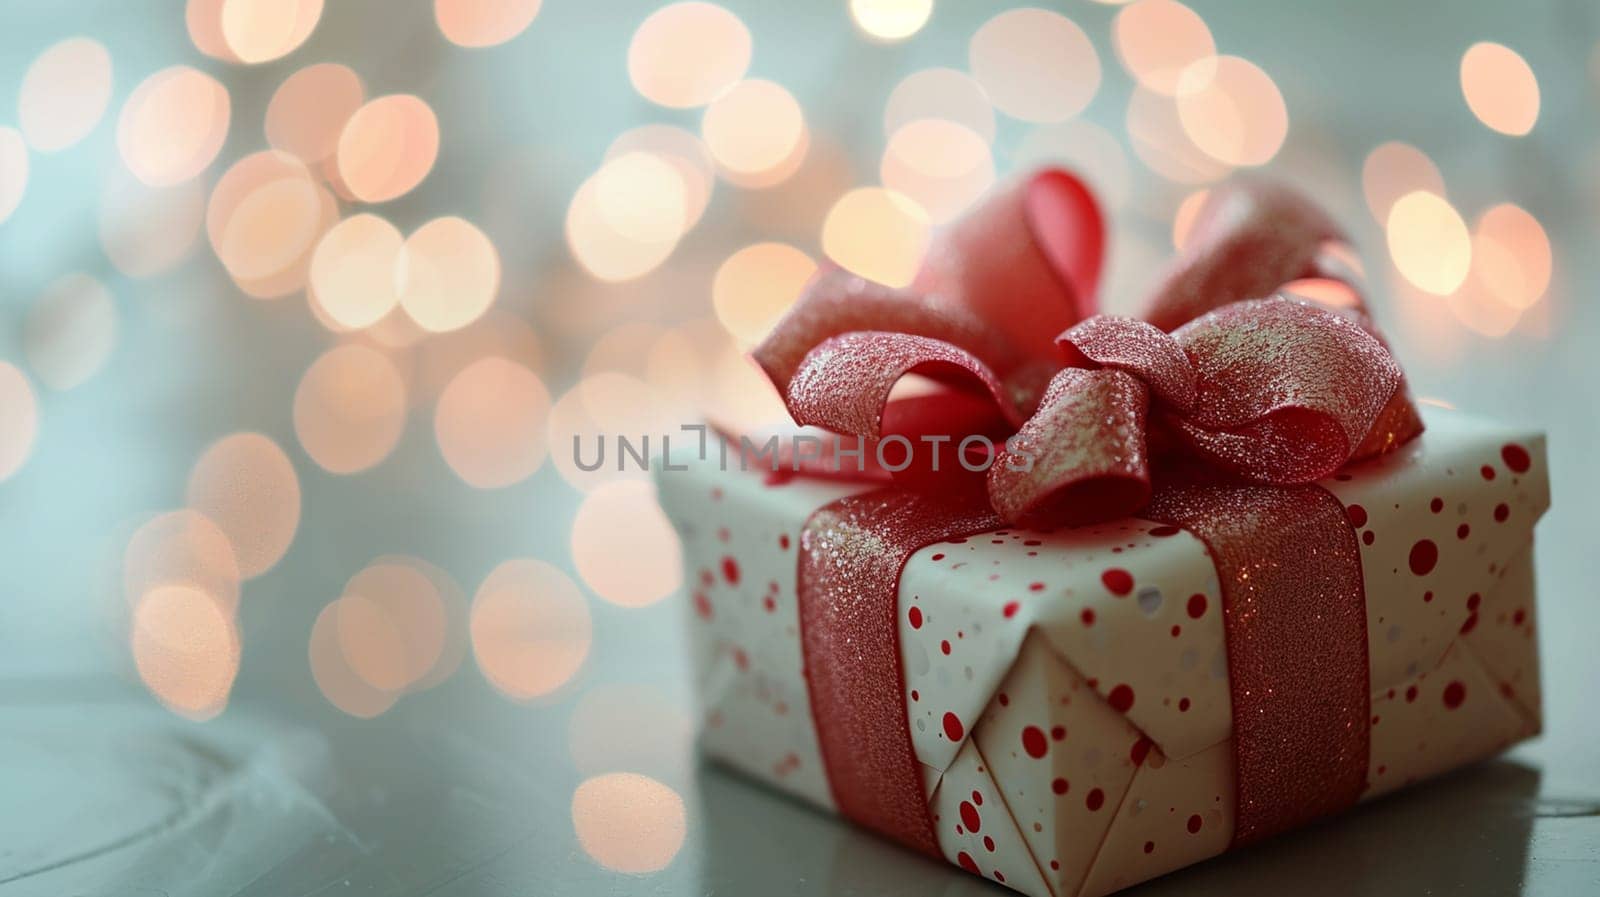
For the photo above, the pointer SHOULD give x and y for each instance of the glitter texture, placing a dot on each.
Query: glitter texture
(1294, 607)
(851, 555)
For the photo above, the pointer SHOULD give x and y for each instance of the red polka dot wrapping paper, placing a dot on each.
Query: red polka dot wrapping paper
(1068, 691)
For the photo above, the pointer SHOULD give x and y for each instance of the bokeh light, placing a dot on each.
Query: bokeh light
(310, 108)
(1500, 88)
(490, 423)
(181, 548)
(263, 30)
(387, 147)
(64, 94)
(1157, 40)
(483, 23)
(264, 217)
(1157, 135)
(203, 19)
(628, 822)
(1429, 242)
(942, 165)
(393, 623)
(1392, 170)
(754, 131)
(530, 628)
(687, 156)
(1232, 110)
(70, 331)
(448, 274)
(334, 677)
(940, 93)
(687, 54)
(891, 20)
(756, 285)
(186, 649)
(606, 252)
(623, 520)
(1183, 220)
(173, 125)
(1511, 255)
(245, 484)
(642, 197)
(1035, 65)
(13, 171)
(350, 409)
(354, 271)
(19, 419)
(878, 234)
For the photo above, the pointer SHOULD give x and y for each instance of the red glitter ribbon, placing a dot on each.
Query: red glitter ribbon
(1252, 390)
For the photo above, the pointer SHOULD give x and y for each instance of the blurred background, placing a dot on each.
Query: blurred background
(303, 303)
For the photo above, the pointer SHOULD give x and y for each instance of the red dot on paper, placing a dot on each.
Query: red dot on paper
(1436, 505)
(952, 727)
(1411, 694)
(1059, 786)
(1149, 847)
(702, 605)
(1197, 606)
(1516, 457)
(1194, 823)
(1518, 617)
(988, 844)
(967, 862)
(1470, 624)
(1058, 732)
(914, 615)
(1183, 705)
(1035, 586)
(1424, 555)
(1095, 800)
(1141, 749)
(730, 571)
(999, 876)
(1118, 580)
(1454, 694)
(945, 646)
(1501, 512)
(1487, 471)
(977, 798)
(1010, 610)
(1033, 741)
(1357, 515)
(1367, 537)
(783, 541)
(970, 817)
(1474, 600)
(1121, 698)
(915, 696)
(1087, 616)
(1463, 531)
(770, 604)
(1164, 531)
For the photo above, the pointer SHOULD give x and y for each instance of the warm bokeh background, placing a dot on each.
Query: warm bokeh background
(302, 305)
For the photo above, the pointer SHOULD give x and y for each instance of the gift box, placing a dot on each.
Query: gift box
(1176, 631)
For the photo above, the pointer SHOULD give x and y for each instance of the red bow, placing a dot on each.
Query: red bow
(1277, 390)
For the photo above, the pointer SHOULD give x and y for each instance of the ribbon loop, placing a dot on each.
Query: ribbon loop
(1272, 390)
